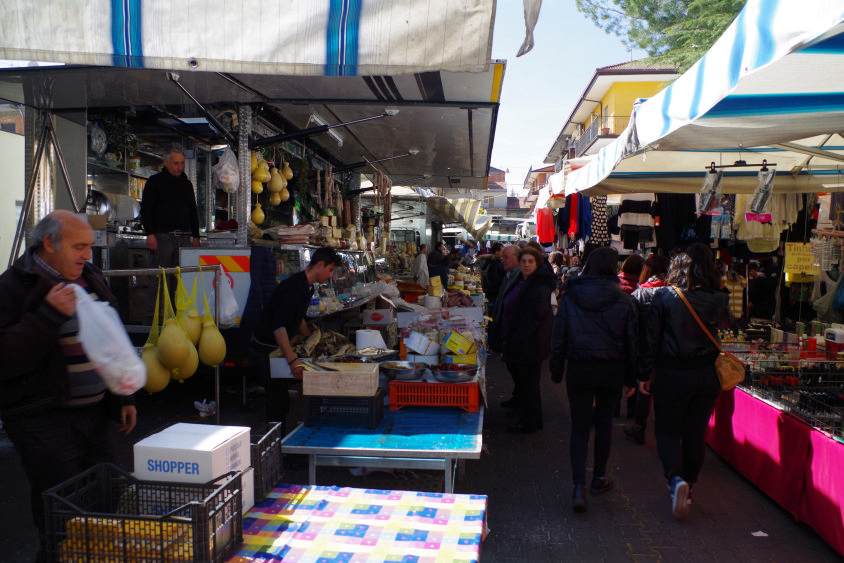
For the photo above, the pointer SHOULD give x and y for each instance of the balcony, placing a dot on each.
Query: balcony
(602, 128)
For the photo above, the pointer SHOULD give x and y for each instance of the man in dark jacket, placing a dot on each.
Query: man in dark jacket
(438, 263)
(492, 272)
(55, 407)
(169, 216)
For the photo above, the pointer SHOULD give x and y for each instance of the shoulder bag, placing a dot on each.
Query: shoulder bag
(730, 369)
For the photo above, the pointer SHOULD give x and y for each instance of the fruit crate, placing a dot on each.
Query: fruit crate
(265, 443)
(105, 514)
(367, 411)
(430, 394)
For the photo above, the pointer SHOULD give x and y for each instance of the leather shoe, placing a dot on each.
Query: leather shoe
(520, 428)
(578, 498)
(510, 403)
(601, 485)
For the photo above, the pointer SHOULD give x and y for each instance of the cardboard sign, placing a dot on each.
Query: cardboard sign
(799, 259)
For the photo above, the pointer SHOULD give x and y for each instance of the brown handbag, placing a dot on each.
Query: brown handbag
(730, 369)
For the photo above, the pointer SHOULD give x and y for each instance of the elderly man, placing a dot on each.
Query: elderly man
(54, 405)
(420, 266)
(169, 216)
(510, 262)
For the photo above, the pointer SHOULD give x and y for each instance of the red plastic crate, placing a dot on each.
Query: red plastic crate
(431, 394)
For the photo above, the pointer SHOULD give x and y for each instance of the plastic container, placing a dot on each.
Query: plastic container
(366, 411)
(105, 514)
(266, 458)
(428, 394)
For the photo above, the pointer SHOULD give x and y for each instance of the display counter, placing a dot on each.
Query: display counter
(793, 462)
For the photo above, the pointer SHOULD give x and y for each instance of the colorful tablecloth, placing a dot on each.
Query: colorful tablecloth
(317, 524)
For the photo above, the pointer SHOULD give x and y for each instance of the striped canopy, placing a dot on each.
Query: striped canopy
(463, 211)
(293, 37)
(770, 88)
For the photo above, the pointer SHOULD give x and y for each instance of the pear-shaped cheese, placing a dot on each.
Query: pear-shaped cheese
(193, 325)
(257, 187)
(275, 199)
(276, 181)
(284, 194)
(254, 163)
(188, 367)
(172, 345)
(257, 214)
(212, 345)
(286, 171)
(158, 376)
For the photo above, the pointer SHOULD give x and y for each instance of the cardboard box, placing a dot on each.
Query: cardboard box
(350, 380)
(459, 344)
(421, 344)
(192, 453)
(378, 317)
(470, 359)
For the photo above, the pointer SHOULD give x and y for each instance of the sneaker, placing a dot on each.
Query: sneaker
(601, 485)
(635, 433)
(679, 497)
(578, 498)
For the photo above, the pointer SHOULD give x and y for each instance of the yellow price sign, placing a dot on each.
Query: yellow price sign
(799, 259)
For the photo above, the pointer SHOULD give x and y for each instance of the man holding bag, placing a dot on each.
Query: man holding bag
(54, 405)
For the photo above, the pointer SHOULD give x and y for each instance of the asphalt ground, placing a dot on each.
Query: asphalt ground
(527, 479)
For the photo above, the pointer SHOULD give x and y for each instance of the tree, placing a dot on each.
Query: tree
(681, 30)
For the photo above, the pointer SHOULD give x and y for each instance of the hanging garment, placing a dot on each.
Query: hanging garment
(736, 288)
(600, 234)
(636, 219)
(545, 226)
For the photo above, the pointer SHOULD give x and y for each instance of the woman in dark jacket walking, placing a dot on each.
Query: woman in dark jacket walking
(525, 336)
(594, 344)
(685, 386)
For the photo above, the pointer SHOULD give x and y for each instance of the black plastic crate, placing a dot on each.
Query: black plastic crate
(106, 515)
(367, 411)
(266, 458)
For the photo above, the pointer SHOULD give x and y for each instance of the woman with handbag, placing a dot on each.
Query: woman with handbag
(681, 354)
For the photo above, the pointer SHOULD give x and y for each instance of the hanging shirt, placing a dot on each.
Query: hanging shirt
(736, 289)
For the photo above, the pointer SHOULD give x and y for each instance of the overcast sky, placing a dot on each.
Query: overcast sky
(541, 88)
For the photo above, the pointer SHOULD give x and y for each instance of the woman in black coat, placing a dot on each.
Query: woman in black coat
(524, 334)
(682, 357)
(595, 346)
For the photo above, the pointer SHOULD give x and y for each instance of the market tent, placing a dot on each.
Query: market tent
(770, 88)
(440, 124)
(338, 38)
(463, 211)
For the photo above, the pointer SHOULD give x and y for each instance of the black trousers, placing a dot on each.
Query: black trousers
(526, 381)
(166, 255)
(277, 397)
(592, 397)
(56, 445)
(683, 403)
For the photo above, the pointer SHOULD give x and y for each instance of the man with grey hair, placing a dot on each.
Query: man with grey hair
(510, 262)
(168, 213)
(55, 407)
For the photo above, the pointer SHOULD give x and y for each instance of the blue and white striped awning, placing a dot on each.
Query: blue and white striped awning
(292, 37)
(771, 87)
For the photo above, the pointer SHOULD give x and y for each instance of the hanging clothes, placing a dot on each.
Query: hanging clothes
(765, 237)
(676, 213)
(545, 226)
(636, 219)
(735, 285)
(600, 234)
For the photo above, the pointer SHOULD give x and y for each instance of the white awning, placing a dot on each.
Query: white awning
(293, 37)
(770, 88)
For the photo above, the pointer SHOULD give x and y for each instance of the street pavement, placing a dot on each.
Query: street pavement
(527, 479)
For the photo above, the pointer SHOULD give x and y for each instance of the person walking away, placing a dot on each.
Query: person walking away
(525, 336)
(282, 318)
(682, 357)
(420, 266)
(438, 263)
(595, 340)
(510, 261)
(631, 270)
(650, 281)
(169, 217)
(55, 407)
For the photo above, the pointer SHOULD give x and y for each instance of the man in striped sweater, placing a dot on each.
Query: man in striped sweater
(54, 405)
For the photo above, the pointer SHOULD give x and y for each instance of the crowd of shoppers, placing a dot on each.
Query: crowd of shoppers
(615, 328)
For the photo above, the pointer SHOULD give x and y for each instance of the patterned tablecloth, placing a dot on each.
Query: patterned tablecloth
(318, 524)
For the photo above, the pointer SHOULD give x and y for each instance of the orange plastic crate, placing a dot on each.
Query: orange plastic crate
(431, 394)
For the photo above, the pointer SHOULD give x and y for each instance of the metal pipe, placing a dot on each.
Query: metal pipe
(214, 121)
(27, 202)
(76, 208)
(309, 132)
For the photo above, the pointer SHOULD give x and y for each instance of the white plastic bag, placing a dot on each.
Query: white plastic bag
(225, 175)
(227, 315)
(107, 345)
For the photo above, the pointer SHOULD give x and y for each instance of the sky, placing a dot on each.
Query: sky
(541, 88)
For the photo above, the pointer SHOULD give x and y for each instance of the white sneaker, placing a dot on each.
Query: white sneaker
(679, 497)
